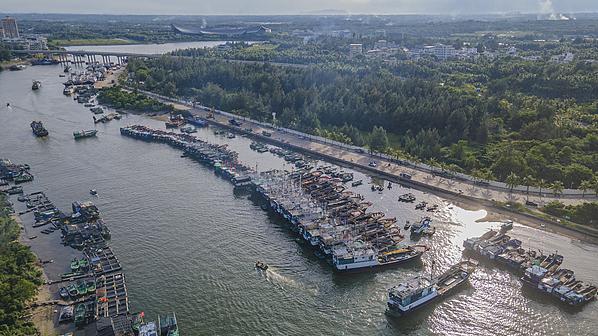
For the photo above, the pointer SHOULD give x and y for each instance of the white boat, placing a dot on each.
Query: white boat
(419, 291)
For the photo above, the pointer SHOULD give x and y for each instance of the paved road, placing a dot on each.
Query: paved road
(362, 160)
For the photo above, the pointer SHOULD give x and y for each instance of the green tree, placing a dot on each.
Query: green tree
(557, 187)
(527, 182)
(585, 185)
(378, 139)
(512, 181)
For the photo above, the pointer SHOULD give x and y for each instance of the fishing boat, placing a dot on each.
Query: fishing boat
(38, 129)
(36, 85)
(84, 134)
(83, 264)
(357, 183)
(74, 265)
(362, 258)
(407, 198)
(167, 325)
(14, 190)
(64, 293)
(188, 129)
(82, 288)
(91, 286)
(72, 290)
(197, 121)
(420, 291)
(506, 226)
(17, 67)
(261, 265)
(96, 110)
(68, 90)
(80, 315)
(422, 227)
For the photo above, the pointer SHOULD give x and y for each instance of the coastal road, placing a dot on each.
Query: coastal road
(385, 167)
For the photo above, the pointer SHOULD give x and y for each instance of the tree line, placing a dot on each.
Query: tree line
(457, 116)
(19, 277)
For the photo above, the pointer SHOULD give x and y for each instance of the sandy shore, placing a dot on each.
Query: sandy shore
(42, 317)
(498, 214)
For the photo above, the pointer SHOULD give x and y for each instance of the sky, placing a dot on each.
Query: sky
(268, 7)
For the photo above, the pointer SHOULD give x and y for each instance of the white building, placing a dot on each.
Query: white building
(355, 49)
(563, 58)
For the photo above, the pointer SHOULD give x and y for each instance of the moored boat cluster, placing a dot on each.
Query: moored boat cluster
(335, 220)
(539, 271)
(224, 161)
(94, 289)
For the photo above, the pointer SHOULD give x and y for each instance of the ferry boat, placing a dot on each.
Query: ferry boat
(38, 129)
(36, 85)
(419, 291)
(84, 134)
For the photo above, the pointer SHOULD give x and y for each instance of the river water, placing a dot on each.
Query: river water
(188, 244)
(149, 49)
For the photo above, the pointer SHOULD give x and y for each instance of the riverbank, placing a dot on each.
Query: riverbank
(91, 42)
(465, 198)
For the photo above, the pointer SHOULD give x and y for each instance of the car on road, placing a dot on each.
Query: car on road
(373, 164)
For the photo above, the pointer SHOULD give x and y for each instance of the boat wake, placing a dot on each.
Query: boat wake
(285, 282)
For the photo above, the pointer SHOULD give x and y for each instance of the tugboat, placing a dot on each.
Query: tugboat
(84, 134)
(261, 265)
(36, 85)
(38, 129)
(419, 291)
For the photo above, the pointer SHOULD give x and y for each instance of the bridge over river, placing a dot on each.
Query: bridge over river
(81, 55)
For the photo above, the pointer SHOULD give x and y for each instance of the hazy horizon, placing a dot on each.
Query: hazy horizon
(305, 7)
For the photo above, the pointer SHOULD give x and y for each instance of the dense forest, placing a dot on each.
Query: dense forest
(4, 54)
(19, 277)
(492, 122)
(130, 101)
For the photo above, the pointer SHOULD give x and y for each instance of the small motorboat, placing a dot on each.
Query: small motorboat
(389, 185)
(93, 192)
(32, 237)
(506, 226)
(261, 265)
(64, 293)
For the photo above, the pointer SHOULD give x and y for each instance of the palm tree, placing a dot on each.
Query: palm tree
(528, 181)
(542, 184)
(512, 181)
(557, 187)
(584, 186)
